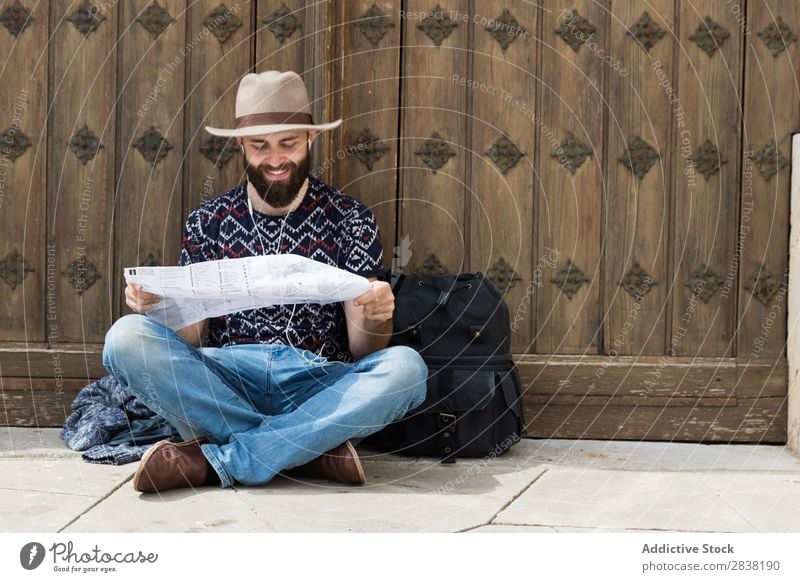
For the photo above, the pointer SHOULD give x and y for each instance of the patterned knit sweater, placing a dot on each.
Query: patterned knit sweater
(328, 226)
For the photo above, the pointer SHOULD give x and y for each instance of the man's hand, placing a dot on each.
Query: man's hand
(369, 319)
(138, 299)
(378, 302)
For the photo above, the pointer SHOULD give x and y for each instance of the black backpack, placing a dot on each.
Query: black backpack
(460, 326)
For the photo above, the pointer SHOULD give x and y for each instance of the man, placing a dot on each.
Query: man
(267, 390)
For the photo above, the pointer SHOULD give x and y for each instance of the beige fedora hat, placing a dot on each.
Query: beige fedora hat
(270, 102)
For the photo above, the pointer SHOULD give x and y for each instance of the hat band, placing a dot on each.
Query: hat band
(273, 118)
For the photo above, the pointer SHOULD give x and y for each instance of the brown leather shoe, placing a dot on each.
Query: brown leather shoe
(167, 465)
(339, 464)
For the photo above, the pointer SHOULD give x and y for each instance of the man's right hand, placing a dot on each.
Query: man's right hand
(138, 299)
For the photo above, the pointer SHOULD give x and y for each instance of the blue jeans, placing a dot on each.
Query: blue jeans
(264, 407)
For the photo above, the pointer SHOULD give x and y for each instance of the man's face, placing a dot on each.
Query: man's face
(277, 165)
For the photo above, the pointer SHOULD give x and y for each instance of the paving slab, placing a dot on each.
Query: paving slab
(28, 442)
(650, 456)
(669, 501)
(206, 509)
(534, 529)
(502, 528)
(769, 501)
(70, 476)
(40, 511)
(437, 498)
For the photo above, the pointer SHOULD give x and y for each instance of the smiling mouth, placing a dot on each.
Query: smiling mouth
(278, 174)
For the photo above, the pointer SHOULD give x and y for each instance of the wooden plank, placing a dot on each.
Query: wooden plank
(215, 68)
(761, 420)
(706, 189)
(637, 226)
(286, 51)
(554, 386)
(367, 101)
(771, 114)
(36, 402)
(79, 209)
(323, 76)
(570, 205)
(23, 187)
(45, 385)
(299, 39)
(503, 92)
(432, 121)
(576, 400)
(652, 377)
(57, 363)
(759, 381)
(610, 378)
(151, 93)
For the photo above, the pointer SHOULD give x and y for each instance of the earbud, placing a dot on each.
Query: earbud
(241, 146)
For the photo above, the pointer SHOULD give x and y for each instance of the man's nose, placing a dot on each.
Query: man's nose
(275, 159)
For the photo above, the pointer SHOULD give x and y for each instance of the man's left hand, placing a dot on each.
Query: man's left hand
(378, 302)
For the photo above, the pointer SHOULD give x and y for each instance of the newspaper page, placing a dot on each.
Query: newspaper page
(213, 288)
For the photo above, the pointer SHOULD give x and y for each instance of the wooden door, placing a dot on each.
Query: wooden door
(619, 172)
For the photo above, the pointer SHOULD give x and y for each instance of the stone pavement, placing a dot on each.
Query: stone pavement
(540, 485)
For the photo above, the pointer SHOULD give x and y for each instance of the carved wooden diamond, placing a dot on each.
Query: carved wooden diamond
(14, 142)
(646, 32)
(575, 30)
(707, 159)
(639, 157)
(505, 29)
(431, 266)
(762, 284)
(84, 144)
(222, 22)
(16, 18)
(437, 25)
(150, 261)
(704, 283)
(86, 18)
(13, 268)
(571, 153)
(502, 275)
(638, 282)
(777, 36)
(81, 274)
(369, 148)
(155, 19)
(282, 23)
(219, 149)
(709, 35)
(769, 160)
(153, 146)
(374, 24)
(570, 278)
(435, 152)
(504, 153)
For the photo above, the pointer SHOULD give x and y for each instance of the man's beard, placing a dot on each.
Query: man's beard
(281, 193)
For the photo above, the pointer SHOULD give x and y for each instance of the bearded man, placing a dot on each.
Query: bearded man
(287, 388)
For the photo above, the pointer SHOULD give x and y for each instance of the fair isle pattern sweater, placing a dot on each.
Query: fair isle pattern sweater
(328, 226)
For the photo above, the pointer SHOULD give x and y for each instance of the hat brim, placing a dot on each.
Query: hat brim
(267, 129)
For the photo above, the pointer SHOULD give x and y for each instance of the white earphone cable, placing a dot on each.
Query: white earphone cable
(319, 357)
